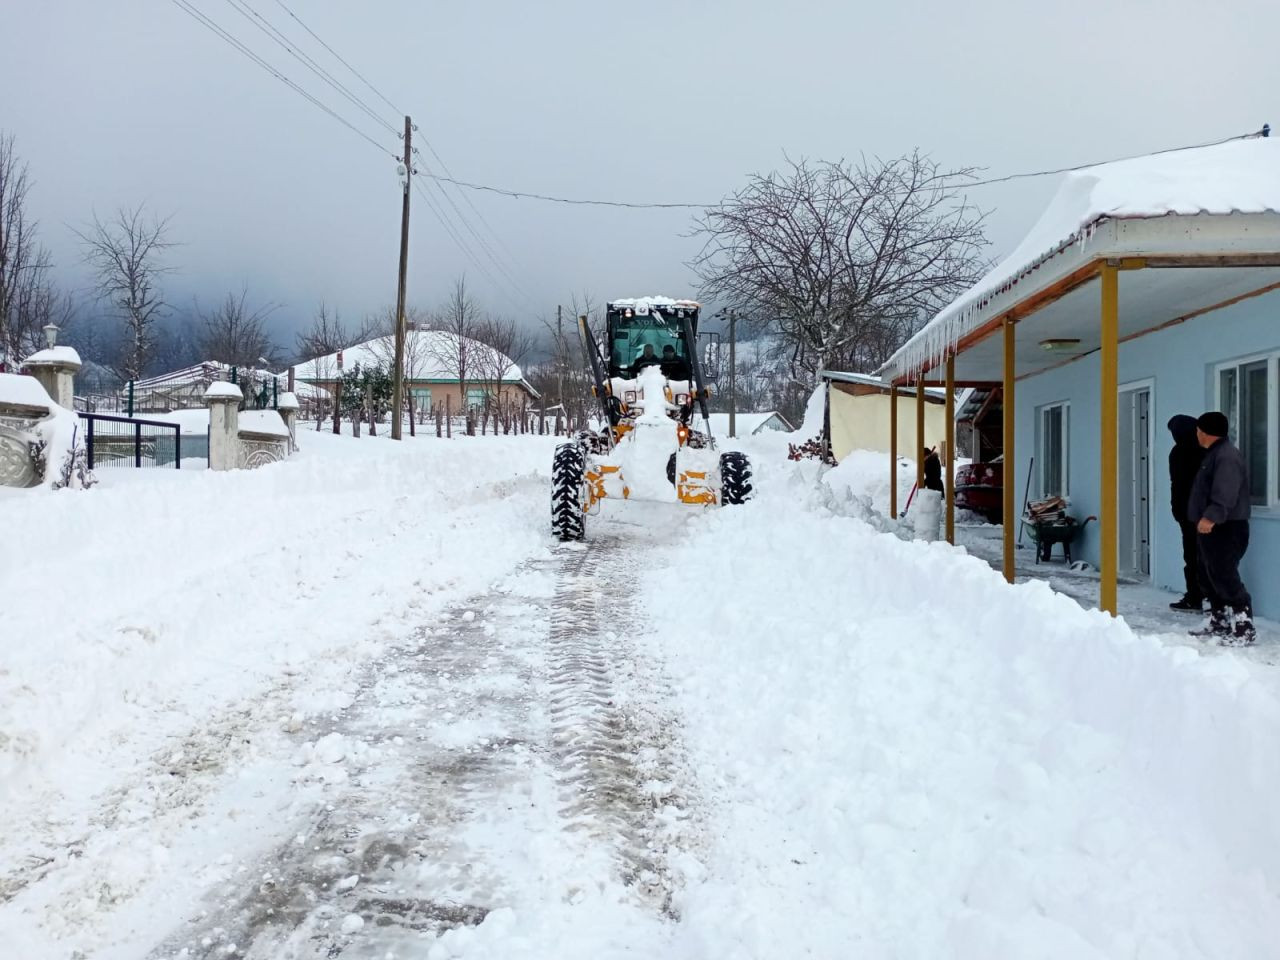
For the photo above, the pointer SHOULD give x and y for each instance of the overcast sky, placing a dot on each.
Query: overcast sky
(126, 101)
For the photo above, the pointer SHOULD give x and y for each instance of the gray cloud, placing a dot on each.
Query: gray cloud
(116, 103)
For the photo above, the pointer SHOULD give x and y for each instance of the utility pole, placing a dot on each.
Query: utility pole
(733, 372)
(397, 392)
(559, 356)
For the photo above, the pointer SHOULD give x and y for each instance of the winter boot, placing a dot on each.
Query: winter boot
(1217, 625)
(1243, 632)
(1187, 603)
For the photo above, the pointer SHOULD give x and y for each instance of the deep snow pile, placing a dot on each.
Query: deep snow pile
(911, 758)
(133, 610)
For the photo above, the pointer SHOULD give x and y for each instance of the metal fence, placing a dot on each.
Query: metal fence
(112, 441)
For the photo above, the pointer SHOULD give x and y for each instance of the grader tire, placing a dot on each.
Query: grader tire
(568, 477)
(735, 478)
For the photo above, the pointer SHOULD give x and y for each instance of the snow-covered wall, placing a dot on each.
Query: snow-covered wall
(1180, 363)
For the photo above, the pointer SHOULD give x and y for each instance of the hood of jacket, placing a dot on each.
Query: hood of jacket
(1183, 429)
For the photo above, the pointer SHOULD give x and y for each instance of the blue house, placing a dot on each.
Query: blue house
(1148, 288)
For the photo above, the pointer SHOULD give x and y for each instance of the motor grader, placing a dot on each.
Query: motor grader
(650, 445)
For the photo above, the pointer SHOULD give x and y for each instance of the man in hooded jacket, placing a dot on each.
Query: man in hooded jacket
(1184, 463)
(1220, 504)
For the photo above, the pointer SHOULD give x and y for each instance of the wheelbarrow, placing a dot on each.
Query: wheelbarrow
(1047, 531)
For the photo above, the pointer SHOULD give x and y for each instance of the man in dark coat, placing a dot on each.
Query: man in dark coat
(933, 471)
(1219, 504)
(1184, 462)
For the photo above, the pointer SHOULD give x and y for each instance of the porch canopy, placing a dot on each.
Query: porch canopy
(1191, 231)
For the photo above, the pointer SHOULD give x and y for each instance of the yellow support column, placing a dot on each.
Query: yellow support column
(919, 432)
(951, 448)
(893, 450)
(1109, 376)
(1010, 520)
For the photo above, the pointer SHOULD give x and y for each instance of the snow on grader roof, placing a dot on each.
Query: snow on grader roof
(1241, 176)
(643, 304)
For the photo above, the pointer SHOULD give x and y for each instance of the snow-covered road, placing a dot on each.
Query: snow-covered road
(363, 707)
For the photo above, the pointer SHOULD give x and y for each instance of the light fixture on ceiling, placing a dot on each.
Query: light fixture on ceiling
(1060, 343)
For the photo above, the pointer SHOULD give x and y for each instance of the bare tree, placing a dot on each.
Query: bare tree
(235, 333)
(318, 343)
(28, 299)
(417, 349)
(504, 346)
(125, 253)
(455, 350)
(844, 261)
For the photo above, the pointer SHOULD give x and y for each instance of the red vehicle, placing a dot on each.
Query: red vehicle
(980, 489)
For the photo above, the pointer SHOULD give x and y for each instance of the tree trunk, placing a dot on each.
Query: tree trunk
(448, 416)
(337, 407)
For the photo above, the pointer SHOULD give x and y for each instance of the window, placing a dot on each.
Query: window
(476, 397)
(1246, 394)
(1053, 429)
(422, 398)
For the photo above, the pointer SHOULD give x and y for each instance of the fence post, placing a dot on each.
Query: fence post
(131, 398)
(137, 445)
(177, 447)
(89, 442)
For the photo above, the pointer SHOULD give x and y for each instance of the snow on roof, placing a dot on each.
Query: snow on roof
(427, 353)
(22, 390)
(65, 356)
(203, 372)
(654, 301)
(868, 380)
(262, 421)
(1242, 176)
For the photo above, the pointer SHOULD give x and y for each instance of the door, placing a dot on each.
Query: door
(1135, 481)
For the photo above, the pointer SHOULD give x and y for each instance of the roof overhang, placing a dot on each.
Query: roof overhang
(1174, 268)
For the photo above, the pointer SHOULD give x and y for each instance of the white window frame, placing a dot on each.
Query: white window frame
(1041, 437)
(1272, 360)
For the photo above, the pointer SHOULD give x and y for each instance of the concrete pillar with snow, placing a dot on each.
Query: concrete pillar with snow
(288, 407)
(224, 425)
(55, 367)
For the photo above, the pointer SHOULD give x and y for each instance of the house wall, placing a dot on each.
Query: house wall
(861, 422)
(453, 390)
(1179, 362)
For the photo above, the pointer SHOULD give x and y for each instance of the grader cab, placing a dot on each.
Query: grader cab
(654, 440)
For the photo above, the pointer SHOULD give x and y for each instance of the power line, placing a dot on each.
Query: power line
(1099, 163)
(228, 38)
(335, 53)
(467, 198)
(484, 244)
(462, 217)
(442, 216)
(522, 194)
(246, 10)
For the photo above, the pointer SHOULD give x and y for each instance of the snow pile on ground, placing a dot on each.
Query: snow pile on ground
(910, 758)
(132, 613)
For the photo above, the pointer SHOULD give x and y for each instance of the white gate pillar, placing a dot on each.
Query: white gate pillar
(224, 425)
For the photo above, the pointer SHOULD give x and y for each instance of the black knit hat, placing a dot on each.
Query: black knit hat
(1214, 424)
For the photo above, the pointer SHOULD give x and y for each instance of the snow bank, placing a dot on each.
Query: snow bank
(133, 613)
(912, 758)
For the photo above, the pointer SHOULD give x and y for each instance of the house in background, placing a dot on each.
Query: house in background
(858, 415)
(1149, 287)
(432, 361)
(749, 424)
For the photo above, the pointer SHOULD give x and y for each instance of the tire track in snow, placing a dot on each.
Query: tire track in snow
(619, 762)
